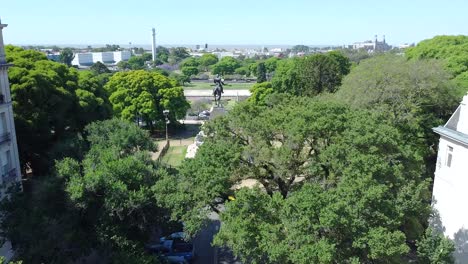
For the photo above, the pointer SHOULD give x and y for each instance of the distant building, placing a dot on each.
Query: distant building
(222, 54)
(123, 55)
(53, 56)
(9, 159)
(405, 46)
(89, 58)
(104, 57)
(83, 59)
(451, 179)
(372, 46)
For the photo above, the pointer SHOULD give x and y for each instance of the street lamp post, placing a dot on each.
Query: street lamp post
(166, 116)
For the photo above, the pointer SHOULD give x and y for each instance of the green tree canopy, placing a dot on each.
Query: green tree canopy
(207, 60)
(189, 70)
(142, 94)
(335, 184)
(261, 72)
(308, 76)
(99, 68)
(453, 50)
(67, 56)
(226, 65)
(178, 54)
(162, 53)
(300, 48)
(50, 100)
(259, 92)
(415, 95)
(190, 62)
(104, 204)
(271, 64)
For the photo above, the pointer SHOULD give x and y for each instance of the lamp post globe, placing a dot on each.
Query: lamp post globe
(166, 116)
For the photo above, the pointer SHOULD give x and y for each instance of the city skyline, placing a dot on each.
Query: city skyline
(244, 23)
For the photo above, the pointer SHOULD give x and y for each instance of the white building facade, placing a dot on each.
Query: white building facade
(83, 59)
(89, 58)
(450, 192)
(9, 159)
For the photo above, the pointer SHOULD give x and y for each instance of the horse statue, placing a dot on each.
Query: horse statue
(218, 90)
(217, 95)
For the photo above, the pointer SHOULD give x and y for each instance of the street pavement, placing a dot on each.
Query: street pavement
(208, 92)
(207, 254)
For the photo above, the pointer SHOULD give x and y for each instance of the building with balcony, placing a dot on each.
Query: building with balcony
(9, 160)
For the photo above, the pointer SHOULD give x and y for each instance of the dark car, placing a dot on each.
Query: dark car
(174, 251)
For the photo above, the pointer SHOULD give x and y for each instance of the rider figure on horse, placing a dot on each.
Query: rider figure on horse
(219, 82)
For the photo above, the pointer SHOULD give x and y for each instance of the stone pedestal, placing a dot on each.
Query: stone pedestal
(217, 111)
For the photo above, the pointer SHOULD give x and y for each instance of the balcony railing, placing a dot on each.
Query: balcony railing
(4, 137)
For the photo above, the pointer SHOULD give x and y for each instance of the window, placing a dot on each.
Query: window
(448, 161)
(3, 123)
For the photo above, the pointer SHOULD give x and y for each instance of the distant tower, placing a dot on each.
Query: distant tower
(154, 44)
(206, 46)
(375, 38)
(384, 39)
(9, 159)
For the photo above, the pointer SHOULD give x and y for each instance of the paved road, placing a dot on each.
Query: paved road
(202, 93)
(206, 254)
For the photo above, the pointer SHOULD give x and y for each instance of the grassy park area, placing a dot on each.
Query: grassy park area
(174, 156)
(209, 85)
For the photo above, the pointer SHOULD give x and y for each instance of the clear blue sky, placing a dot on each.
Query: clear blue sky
(230, 22)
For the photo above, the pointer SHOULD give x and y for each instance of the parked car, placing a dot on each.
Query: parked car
(203, 117)
(174, 236)
(206, 112)
(173, 248)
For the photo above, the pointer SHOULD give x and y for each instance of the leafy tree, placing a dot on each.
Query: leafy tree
(181, 79)
(435, 248)
(226, 65)
(244, 70)
(300, 48)
(191, 202)
(308, 76)
(162, 54)
(178, 54)
(147, 57)
(103, 204)
(99, 68)
(343, 61)
(45, 103)
(261, 72)
(142, 94)
(259, 92)
(207, 60)
(336, 184)
(93, 99)
(414, 95)
(452, 50)
(123, 65)
(136, 63)
(271, 64)
(190, 62)
(189, 70)
(66, 56)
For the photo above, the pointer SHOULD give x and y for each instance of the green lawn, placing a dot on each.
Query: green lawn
(174, 156)
(209, 85)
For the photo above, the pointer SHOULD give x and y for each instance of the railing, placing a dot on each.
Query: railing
(4, 137)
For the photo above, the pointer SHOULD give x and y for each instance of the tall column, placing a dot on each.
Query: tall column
(154, 44)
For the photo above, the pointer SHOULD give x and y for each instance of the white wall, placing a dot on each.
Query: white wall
(451, 186)
(83, 59)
